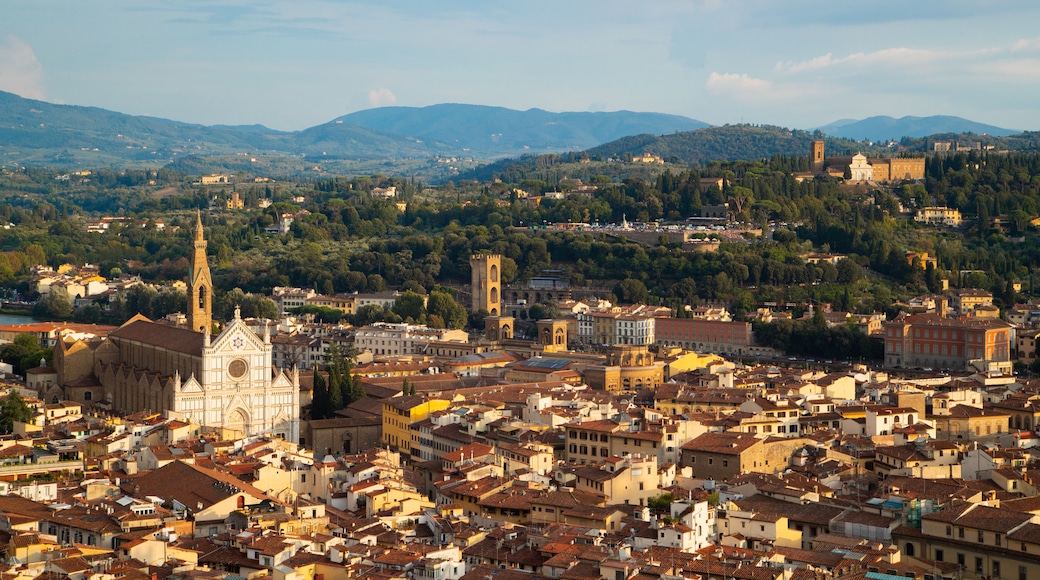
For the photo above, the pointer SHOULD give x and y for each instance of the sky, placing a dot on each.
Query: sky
(294, 64)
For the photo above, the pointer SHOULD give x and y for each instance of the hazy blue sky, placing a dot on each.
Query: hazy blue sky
(293, 64)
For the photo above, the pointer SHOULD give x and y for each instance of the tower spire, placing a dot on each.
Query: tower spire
(200, 284)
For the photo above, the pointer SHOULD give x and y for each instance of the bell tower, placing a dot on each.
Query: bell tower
(817, 159)
(486, 285)
(200, 285)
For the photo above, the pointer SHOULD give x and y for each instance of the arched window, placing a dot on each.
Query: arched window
(908, 549)
(202, 297)
(494, 273)
(494, 294)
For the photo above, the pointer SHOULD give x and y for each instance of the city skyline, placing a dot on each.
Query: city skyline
(289, 66)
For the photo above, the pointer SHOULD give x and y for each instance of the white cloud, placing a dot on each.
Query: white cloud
(1026, 44)
(899, 56)
(381, 97)
(751, 90)
(736, 83)
(1019, 70)
(20, 72)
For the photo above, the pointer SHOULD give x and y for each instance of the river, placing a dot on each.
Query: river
(6, 319)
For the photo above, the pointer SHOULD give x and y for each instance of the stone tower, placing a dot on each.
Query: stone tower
(200, 285)
(486, 283)
(817, 156)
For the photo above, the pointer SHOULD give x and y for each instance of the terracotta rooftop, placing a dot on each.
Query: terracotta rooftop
(171, 338)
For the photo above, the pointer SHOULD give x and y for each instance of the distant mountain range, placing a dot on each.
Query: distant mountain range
(39, 133)
(495, 131)
(883, 128)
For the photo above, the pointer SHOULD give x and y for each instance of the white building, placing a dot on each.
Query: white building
(860, 169)
(397, 339)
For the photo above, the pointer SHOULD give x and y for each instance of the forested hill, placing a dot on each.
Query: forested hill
(703, 146)
(728, 143)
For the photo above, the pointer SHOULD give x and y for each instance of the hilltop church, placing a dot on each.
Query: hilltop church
(223, 382)
(860, 168)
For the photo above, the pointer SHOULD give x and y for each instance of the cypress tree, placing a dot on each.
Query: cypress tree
(357, 391)
(335, 395)
(319, 398)
(345, 387)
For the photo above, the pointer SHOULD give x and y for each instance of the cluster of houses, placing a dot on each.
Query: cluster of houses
(722, 471)
(86, 285)
(613, 442)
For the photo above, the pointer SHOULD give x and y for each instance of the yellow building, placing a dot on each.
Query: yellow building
(686, 361)
(628, 368)
(939, 216)
(984, 541)
(966, 300)
(400, 412)
(966, 423)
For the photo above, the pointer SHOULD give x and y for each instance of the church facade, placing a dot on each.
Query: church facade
(222, 382)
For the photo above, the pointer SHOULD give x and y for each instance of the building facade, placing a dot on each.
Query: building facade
(397, 339)
(939, 216)
(705, 335)
(930, 341)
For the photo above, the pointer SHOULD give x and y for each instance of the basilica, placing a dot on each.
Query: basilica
(224, 382)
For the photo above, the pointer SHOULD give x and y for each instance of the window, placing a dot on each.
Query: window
(939, 555)
(574, 448)
(981, 537)
(1021, 573)
(960, 532)
(997, 541)
(603, 437)
(978, 565)
(725, 462)
(603, 452)
(949, 530)
(996, 568)
(960, 560)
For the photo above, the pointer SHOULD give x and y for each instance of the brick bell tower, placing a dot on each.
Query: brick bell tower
(200, 285)
(486, 283)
